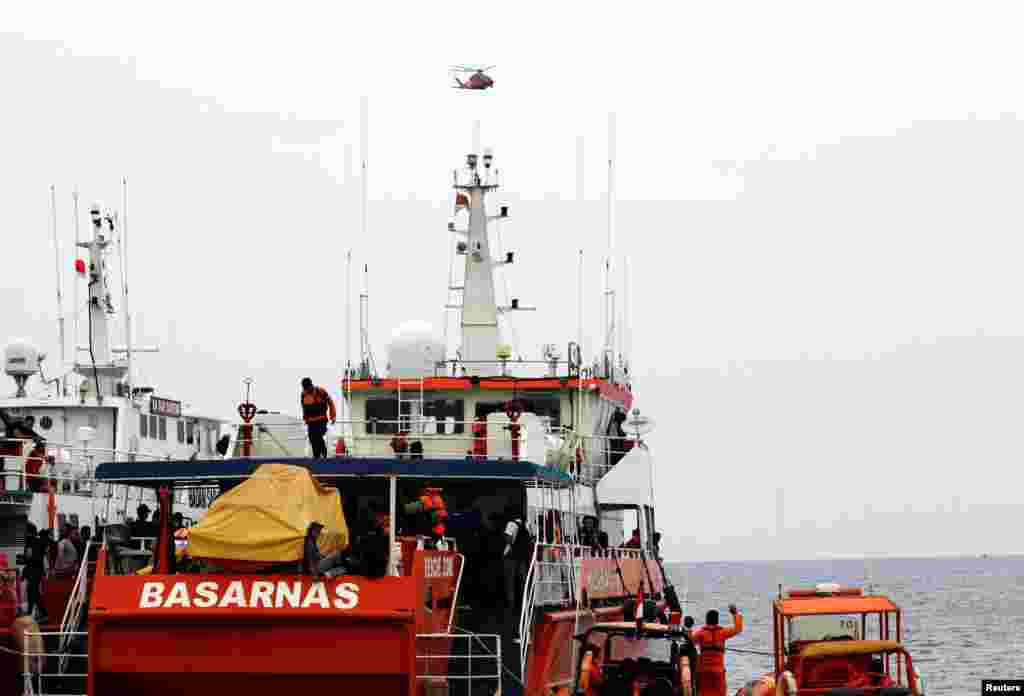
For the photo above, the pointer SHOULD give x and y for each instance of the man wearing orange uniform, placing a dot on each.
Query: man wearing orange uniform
(711, 639)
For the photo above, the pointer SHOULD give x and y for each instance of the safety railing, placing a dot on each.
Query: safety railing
(530, 439)
(553, 581)
(557, 367)
(41, 675)
(69, 467)
(459, 662)
(73, 610)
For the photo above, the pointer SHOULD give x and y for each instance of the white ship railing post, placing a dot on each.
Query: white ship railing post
(392, 507)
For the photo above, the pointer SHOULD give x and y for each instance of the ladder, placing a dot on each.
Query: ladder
(410, 406)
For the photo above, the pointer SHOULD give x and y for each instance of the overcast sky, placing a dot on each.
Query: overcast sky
(792, 179)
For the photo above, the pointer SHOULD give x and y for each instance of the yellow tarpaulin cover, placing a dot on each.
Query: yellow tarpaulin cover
(265, 518)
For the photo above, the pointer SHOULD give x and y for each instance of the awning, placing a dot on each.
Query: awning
(834, 605)
(185, 473)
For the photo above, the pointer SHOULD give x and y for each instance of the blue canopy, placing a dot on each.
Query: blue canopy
(184, 473)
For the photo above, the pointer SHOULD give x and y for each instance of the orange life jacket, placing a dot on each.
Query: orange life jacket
(316, 404)
(712, 649)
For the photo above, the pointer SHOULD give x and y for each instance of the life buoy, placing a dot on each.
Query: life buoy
(786, 685)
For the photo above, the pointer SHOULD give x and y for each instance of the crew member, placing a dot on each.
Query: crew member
(711, 638)
(594, 678)
(317, 406)
(634, 541)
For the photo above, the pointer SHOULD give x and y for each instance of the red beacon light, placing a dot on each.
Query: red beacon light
(80, 266)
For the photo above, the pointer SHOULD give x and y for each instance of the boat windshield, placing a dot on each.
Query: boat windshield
(622, 647)
(824, 627)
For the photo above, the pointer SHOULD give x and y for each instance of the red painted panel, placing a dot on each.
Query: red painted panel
(251, 634)
(599, 577)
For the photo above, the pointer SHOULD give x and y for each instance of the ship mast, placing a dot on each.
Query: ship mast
(479, 308)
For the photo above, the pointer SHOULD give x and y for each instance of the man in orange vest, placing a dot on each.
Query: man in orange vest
(317, 405)
(711, 639)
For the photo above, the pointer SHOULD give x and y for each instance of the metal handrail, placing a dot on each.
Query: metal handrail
(451, 641)
(73, 609)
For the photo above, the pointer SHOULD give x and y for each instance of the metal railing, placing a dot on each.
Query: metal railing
(464, 661)
(587, 457)
(553, 582)
(72, 619)
(77, 462)
(34, 683)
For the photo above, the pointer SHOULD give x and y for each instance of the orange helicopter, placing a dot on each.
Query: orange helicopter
(477, 80)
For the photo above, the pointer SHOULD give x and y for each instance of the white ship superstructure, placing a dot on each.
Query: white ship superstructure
(59, 425)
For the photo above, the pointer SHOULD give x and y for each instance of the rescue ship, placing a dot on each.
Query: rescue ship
(449, 452)
(831, 639)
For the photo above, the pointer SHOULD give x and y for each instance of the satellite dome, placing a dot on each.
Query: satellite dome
(414, 350)
(21, 361)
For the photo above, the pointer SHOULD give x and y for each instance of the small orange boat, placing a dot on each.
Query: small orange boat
(831, 639)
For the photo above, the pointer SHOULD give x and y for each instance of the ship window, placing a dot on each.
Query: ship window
(381, 416)
(181, 431)
(94, 420)
(190, 435)
(163, 428)
(441, 409)
(548, 408)
(45, 422)
(152, 427)
(144, 425)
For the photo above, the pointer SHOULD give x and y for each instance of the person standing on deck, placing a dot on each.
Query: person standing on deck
(516, 558)
(317, 406)
(711, 638)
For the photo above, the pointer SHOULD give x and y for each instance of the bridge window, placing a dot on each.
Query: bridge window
(181, 431)
(381, 416)
(442, 409)
(548, 408)
(190, 433)
(144, 425)
(153, 428)
(163, 428)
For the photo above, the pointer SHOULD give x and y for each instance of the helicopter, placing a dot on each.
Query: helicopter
(478, 80)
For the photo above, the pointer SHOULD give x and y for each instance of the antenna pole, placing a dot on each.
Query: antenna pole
(60, 293)
(609, 290)
(626, 338)
(364, 144)
(364, 324)
(579, 340)
(124, 284)
(347, 380)
(75, 297)
(476, 137)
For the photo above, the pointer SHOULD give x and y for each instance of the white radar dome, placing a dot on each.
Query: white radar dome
(414, 350)
(21, 359)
